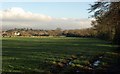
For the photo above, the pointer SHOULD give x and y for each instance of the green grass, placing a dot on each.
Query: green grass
(30, 54)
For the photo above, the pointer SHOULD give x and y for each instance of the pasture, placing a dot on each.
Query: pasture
(28, 54)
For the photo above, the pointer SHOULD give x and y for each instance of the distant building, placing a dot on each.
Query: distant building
(4, 34)
(17, 34)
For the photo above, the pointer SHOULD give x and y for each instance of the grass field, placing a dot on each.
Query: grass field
(25, 54)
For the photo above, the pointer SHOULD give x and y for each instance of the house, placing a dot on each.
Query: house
(17, 34)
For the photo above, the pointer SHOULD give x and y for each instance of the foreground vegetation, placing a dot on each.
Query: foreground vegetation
(45, 55)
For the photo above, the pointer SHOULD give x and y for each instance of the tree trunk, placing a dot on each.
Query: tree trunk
(117, 34)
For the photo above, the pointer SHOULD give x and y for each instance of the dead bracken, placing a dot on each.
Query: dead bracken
(68, 65)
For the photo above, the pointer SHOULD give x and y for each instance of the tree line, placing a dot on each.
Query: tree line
(89, 32)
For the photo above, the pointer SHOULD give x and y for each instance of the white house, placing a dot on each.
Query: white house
(17, 33)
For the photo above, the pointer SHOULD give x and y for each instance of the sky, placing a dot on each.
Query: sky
(58, 0)
(50, 0)
(45, 15)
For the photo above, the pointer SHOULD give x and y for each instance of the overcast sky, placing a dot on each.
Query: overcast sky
(45, 15)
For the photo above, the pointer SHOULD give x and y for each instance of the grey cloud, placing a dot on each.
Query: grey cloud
(18, 18)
